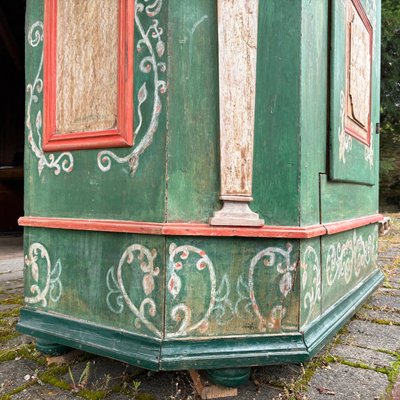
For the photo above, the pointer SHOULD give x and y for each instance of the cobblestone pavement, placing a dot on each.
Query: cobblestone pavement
(363, 362)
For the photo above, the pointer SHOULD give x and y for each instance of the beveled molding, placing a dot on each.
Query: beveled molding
(193, 229)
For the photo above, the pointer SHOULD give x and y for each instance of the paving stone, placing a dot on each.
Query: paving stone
(13, 374)
(15, 342)
(385, 301)
(37, 392)
(359, 355)
(17, 290)
(15, 286)
(7, 307)
(373, 336)
(278, 375)
(379, 315)
(118, 396)
(396, 390)
(11, 269)
(9, 321)
(388, 292)
(342, 382)
(393, 282)
(104, 373)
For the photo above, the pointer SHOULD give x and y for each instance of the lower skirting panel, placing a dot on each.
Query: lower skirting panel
(177, 354)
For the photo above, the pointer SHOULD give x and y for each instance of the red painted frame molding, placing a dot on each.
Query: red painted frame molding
(122, 136)
(189, 229)
(349, 120)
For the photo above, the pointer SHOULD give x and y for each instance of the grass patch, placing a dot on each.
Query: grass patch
(17, 390)
(52, 377)
(17, 300)
(26, 351)
(14, 312)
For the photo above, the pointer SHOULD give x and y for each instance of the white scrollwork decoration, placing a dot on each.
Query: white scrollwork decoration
(118, 294)
(345, 140)
(37, 255)
(271, 256)
(346, 259)
(64, 161)
(182, 313)
(312, 296)
(224, 309)
(151, 42)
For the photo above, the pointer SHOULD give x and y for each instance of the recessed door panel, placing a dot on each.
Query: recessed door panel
(354, 94)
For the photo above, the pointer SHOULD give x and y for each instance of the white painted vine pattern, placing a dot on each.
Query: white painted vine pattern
(52, 287)
(152, 43)
(118, 293)
(181, 313)
(220, 308)
(310, 266)
(346, 259)
(61, 162)
(285, 267)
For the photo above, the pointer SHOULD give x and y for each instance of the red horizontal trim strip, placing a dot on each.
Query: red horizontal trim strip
(295, 232)
(93, 225)
(190, 229)
(342, 226)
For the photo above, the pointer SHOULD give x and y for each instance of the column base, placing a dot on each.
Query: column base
(229, 377)
(236, 213)
(50, 348)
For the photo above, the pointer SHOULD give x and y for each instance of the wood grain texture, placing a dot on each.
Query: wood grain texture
(87, 65)
(237, 44)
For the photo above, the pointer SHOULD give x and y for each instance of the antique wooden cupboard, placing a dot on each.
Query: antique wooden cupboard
(201, 178)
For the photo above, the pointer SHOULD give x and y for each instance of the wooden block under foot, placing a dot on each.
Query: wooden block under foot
(65, 358)
(209, 391)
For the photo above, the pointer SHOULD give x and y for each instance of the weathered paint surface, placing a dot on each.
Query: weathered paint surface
(351, 159)
(165, 292)
(102, 183)
(222, 287)
(116, 280)
(237, 49)
(277, 116)
(348, 258)
(313, 126)
(87, 62)
(193, 141)
(342, 200)
(213, 287)
(358, 65)
(310, 281)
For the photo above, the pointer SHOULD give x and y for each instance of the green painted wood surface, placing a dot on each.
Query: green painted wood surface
(247, 286)
(203, 287)
(193, 123)
(310, 282)
(199, 354)
(86, 191)
(354, 163)
(323, 329)
(314, 87)
(169, 296)
(277, 133)
(340, 201)
(79, 277)
(347, 259)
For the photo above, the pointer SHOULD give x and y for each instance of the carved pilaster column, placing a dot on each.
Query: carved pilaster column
(237, 37)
